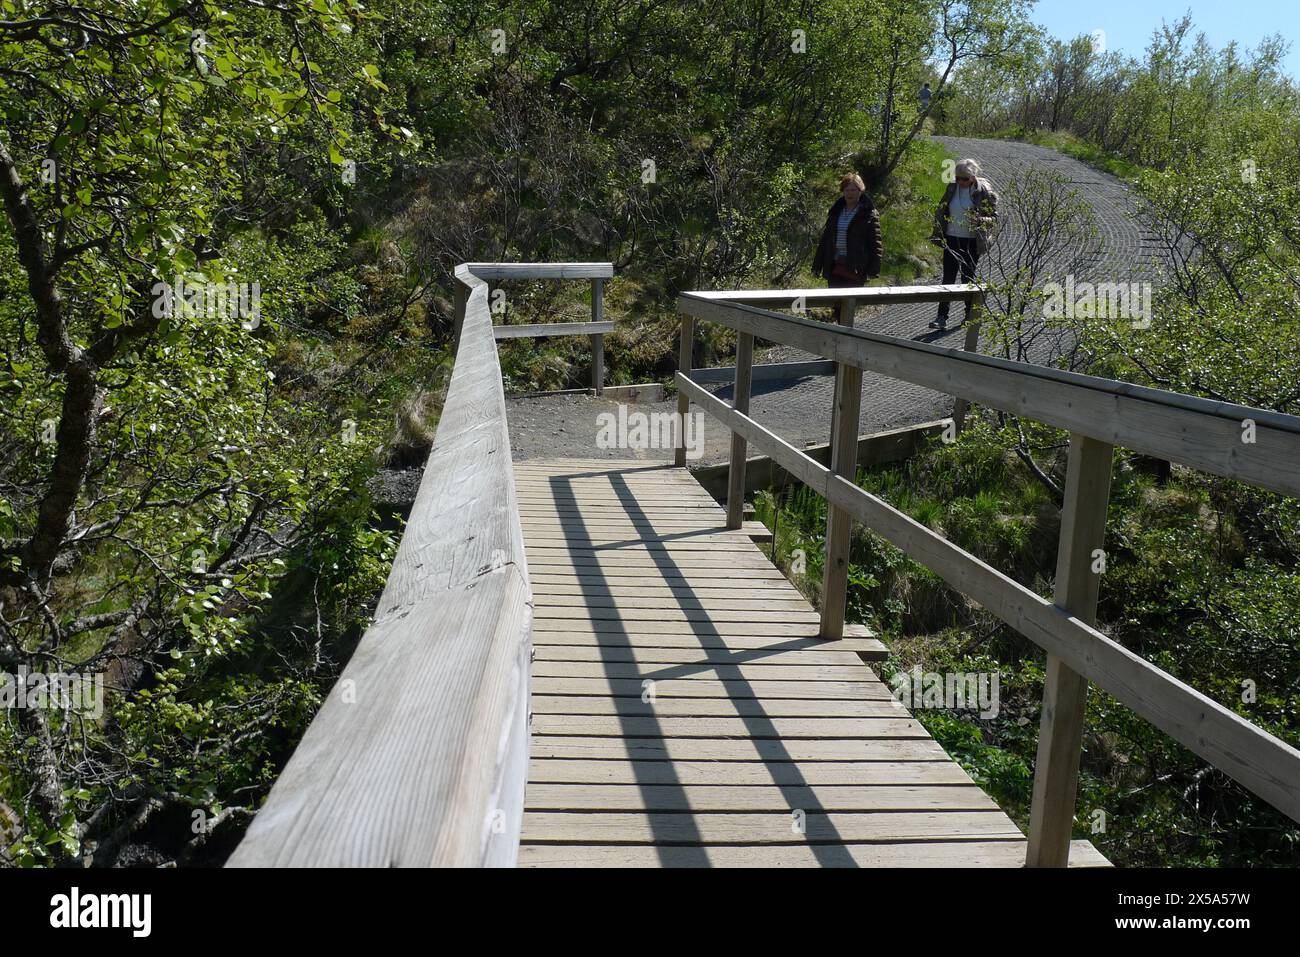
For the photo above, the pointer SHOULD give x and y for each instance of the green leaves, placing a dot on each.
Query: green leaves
(370, 74)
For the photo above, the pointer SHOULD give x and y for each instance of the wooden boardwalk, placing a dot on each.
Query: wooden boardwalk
(685, 714)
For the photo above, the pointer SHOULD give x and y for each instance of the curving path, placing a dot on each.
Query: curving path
(800, 409)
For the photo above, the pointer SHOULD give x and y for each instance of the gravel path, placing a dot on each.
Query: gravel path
(799, 409)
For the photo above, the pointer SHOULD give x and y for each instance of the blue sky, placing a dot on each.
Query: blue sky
(1128, 24)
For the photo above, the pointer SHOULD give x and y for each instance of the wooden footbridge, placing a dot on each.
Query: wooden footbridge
(591, 663)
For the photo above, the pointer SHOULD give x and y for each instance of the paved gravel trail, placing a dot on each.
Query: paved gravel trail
(799, 409)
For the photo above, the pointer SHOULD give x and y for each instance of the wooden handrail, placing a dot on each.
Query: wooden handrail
(596, 330)
(1100, 413)
(1200, 433)
(419, 755)
(865, 295)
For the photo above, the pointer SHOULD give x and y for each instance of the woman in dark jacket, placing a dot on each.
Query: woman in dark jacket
(850, 249)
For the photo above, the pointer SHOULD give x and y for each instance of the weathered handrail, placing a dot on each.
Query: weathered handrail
(596, 330)
(419, 755)
(1255, 446)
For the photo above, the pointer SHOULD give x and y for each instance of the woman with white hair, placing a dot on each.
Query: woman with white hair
(964, 225)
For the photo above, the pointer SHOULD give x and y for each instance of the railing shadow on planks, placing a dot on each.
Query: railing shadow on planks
(419, 755)
(1253, 446)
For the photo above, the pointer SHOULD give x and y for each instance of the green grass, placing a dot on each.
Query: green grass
(1072, 146)
(907, 213)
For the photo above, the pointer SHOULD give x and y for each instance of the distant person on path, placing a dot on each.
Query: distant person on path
(926, 94)
(851, 249)
(964, 226)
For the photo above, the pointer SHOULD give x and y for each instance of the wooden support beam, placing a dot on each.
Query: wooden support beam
(598, 340)
(598, 364)
(537, 330)
(766, 371)
(871, 295)
(974, 312)
(684, 350)
(539, 270)
(844, 463)
(739, 402)
(1080, 560)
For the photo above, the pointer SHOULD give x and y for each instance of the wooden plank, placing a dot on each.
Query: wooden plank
(753, 669)
(603, 537)
(644, 537)
(686, 773)
(738, 749)
(597, 613)
(844, 462)
(966, 854)
(611, 640)
(594, 492)
(782, 601)
(596, 592)
(714, 707)
(762, 799)
(654, 555)
(593, 499)
(682, 564)
(564, 645)
(654, 547)
(866, 295)
(539, 270)
(548, 504)
(550, 827)
(622, 471)
(556, 509)
(1065, 691)
(745, 629)
(732, 689)
(614, 473)
(630, 576)
(652, 484)
(719, 629)
(740, 402)
(570, 526)
(972, 344)
(685, 349)
(537, 330)
(752, 727)
(650, 656)
(766, 371)
(598, 341)
(697, 516)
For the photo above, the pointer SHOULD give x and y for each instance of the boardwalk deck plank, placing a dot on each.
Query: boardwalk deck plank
(685, 712)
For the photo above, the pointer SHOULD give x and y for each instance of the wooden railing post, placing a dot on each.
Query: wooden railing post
(684, 350)
(1078, 580)
(598, 340)
(739, 402)
(976, 310)
(846, 316)
(844, 463)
